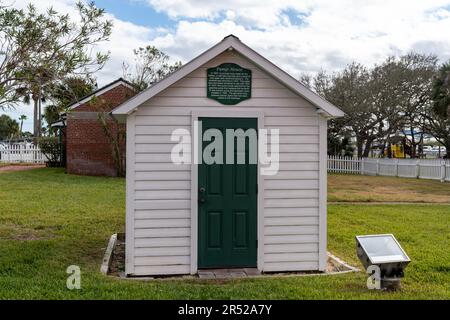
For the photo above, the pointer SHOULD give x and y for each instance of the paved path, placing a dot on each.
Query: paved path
(10, 168)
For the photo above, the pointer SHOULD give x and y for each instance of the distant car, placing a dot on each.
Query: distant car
(427, 149)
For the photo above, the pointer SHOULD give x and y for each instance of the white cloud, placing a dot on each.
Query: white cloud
(315, 34)
(299, 36)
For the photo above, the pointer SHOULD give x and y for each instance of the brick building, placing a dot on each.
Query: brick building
(93, 139)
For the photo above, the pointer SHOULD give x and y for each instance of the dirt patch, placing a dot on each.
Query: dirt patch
(20, 167)
(11, 231)
(357, 188)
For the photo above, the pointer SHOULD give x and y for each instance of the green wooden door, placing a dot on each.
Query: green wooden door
(227, 207)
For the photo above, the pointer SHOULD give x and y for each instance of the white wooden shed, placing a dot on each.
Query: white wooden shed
(181, 218)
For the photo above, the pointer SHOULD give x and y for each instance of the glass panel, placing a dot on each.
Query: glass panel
(382, 249)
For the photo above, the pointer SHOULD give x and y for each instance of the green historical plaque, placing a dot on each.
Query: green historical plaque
(229, 83)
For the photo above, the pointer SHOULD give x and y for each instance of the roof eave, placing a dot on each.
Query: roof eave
(230, 42)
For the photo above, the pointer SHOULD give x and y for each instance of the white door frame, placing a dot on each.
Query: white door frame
(226, 112)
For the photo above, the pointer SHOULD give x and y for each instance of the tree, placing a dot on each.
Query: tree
(22, 118)
(439, 127)
(380, 103)
(418, 72)
(69, 90)
(150, 66)
(348, 90)
(441, 91)
(9, 128)
(438, 114)
(338, 134)
(51, 47)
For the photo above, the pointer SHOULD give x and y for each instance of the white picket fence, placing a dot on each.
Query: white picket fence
(436, 169)
(25, 153)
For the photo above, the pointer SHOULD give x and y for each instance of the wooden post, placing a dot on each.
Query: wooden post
(442, 170)
(377, 167)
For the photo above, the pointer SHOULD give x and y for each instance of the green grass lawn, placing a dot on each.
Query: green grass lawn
(50, 220)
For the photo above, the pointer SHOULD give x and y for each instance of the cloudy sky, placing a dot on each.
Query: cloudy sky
(297, 35)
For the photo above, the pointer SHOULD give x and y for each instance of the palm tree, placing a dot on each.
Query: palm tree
(22, 118)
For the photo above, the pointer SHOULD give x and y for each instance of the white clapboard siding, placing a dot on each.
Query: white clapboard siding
(162, 194)
(205, 102)
(162, 148)
(163, 175)
(290, 203)
(290, 230)
(296, 148)
(299, 157)
(292, 121)
(165, 269)
(193, 82)
(156, 139)
(177, 110)
(297, 184)
(162, 242)
(291, 212)
(161, 232)
(291, 194)
(163, 223)
(281, 248)
(299, 221)
(294, 175)
(259, 93)
(296, 130)
(163, 251)
(159, 129)
(299, 166)
(291, 257)
(294, 139)
(163, 120)
(163, 214)
(291, 239)
(292, 266)
(154, 157)
(162, 185)
(162, 203)
(162, 260)
(162, 166)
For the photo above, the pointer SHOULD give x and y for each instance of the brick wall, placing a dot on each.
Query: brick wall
(88, 149)
(107, 101)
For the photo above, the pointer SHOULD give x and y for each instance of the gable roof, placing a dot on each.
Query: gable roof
(100, 91)
(231, 42)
